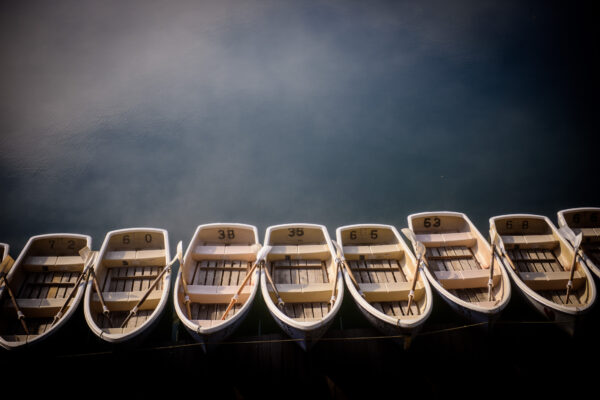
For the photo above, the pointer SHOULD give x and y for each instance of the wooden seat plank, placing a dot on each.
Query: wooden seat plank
(325, 273)
(210, 273)
(317, 311)
(227, 265)
(230, 275)
(303, 274)
(200, 278)
(218, 273)
(244, 272)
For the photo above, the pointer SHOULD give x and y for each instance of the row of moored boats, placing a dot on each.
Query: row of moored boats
(125, 286)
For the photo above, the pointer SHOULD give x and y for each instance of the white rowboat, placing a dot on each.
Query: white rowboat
(302, 263)
(539, 262)
(127, 264)
(459, 260)
(42, 278)
(584, 220)
(215, 265)
(384, 267)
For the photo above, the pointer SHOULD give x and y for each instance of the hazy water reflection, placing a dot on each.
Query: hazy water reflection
(117, 115)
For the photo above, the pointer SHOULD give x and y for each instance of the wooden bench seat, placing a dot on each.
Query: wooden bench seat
(134, 258)
(552, 280)
(125, 301)
(467, 279)
(447, 239)
(397, 291)
(38, 308)
(53, 264)
(208, 294)
(587, 232)
(315, 251)
(299, 264)
(382, 251)
(303, 293)
(230, 252)
(530, 241)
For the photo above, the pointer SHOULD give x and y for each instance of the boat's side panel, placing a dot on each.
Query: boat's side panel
(48, 246)
(129, 240)
(216, 238)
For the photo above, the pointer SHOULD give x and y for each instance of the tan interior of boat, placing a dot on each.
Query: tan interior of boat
(382, 270)
(588, 224)
(457, 258)
(220, 260)
(131, 263)
(301, 266)
(543, 262)
(41, 285)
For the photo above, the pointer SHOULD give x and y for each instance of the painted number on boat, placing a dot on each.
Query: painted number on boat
(70, 244)
(126, 239)
(373, 234)
(436, 222)
(148, 238)
(524, 224)
(295, 232)
(229, 234)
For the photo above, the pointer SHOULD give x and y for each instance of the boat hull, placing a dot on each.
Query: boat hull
(567, 321)
(209, 339)
(306, 336)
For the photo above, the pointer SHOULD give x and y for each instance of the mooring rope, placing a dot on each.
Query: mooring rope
(322, 339)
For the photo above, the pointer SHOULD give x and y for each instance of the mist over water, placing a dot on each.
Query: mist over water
(175, 114)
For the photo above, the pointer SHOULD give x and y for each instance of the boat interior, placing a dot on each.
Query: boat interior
(216, 265)
(542, 261)
(587, 222)
(302, 269)
(131, 262)
(384, 274)
(457, 257)
(41, 283)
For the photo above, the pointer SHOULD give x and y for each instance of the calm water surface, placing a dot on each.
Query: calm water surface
(174, 115)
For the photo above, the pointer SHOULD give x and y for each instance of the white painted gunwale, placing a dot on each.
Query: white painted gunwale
(275, 311)
(562, 223)
(181, 313)
(74, 303)
(129, 336)
(571, 311)
(5, 249)
(404, 323)
(489, 311)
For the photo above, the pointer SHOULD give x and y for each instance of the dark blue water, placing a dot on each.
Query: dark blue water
(174, 114)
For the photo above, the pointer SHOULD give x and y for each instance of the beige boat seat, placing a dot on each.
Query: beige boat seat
(552, 280)
(587, 232)
(303, 251)
(397, 291)
(447, 239)
(229, 252)
(208, 294)
(380, 251)
(125, 301)
(135, 258)
(303, 293)
(53, 264)
(39, 308)
(530, 241)
(467, 279)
